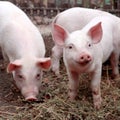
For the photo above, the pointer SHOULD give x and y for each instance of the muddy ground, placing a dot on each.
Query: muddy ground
(53, 101)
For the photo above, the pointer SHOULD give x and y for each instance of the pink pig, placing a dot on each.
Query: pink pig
(75, 19)
(85, 50)
(23, 45)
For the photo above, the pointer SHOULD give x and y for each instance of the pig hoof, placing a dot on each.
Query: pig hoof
(97, 104)
(58, 74)
(72, 94)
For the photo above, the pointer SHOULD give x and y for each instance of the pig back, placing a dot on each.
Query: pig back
(76, 18)
(18, 35)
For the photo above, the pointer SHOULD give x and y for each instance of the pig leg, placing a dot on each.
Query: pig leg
(57, 52)
(114, 59)
(73, 84)
(95, 86)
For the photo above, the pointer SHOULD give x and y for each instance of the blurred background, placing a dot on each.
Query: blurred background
(50, 8)
(103, 4)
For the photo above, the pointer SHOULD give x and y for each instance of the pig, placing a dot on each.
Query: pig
(75, 19)
(23, 46)
(85, 50)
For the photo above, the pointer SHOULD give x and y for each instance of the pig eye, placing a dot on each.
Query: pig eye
(20, 76)
(70, 46)
(89, 45)
(38, 76)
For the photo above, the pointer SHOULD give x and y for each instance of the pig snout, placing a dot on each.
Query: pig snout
(30, 95)
(84, 59)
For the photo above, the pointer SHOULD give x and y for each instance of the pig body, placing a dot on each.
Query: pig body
(85, 50)
(75, 19)
(23, 45)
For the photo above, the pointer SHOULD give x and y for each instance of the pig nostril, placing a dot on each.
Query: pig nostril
(89, 58)
(82, 58)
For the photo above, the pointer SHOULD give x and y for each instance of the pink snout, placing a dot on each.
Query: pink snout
(84, 58)
(30, 97)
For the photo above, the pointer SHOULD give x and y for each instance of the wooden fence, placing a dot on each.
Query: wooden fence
(50, 8)
(51, 12)
(106, 4)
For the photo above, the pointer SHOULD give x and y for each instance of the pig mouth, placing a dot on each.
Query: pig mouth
(31, 98)
(83, 64)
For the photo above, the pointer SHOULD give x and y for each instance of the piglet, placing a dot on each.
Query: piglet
(85, 50)
(23, 45)
(75, 19)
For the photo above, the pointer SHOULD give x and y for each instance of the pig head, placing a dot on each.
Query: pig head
(78, 46)
(27, 73)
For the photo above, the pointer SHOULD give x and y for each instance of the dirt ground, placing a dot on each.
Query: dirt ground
(53, 101)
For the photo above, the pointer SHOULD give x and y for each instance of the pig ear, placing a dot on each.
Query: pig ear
(59, 34)
(13, 66)
(96, 33)
(44, 63)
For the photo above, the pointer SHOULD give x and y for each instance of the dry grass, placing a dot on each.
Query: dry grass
(54, 104)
